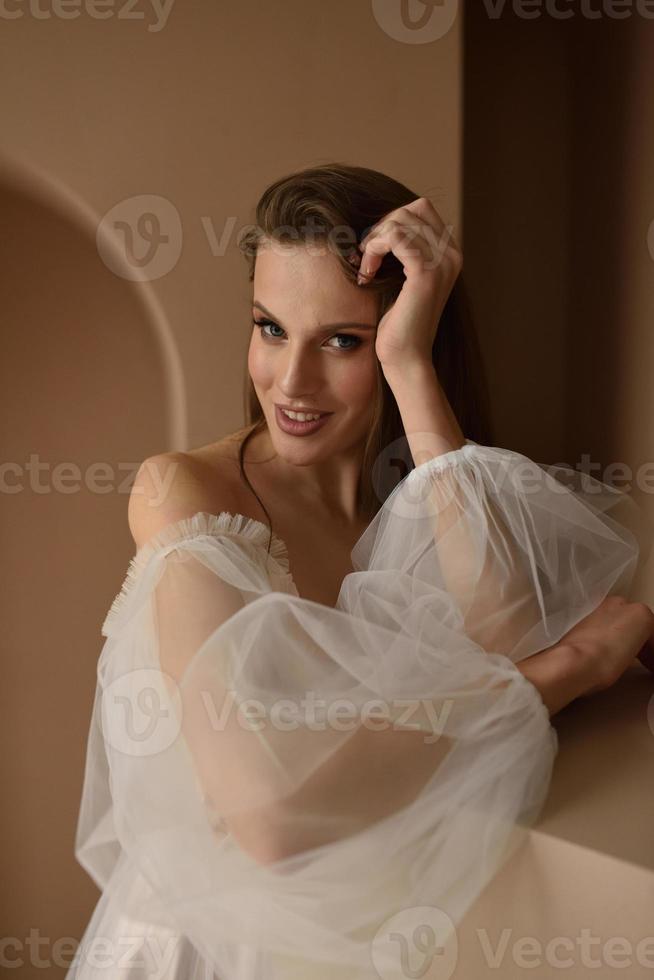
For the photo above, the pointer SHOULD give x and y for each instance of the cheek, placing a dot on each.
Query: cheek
(358, 381)
(259, 366)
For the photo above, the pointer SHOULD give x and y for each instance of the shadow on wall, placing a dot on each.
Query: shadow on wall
(85, 382)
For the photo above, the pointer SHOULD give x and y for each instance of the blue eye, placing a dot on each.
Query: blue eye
(262, 324)
(265, 323)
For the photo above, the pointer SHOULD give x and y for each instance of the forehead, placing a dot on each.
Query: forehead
(308, 282)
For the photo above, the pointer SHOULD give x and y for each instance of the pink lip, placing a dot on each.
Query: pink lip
(294, 428)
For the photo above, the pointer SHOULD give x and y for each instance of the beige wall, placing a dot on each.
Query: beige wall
(203, 113)
(206, 112)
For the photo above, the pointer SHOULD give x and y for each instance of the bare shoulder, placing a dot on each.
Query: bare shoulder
(175, 485)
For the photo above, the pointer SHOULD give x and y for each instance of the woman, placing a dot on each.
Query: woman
(324, 700)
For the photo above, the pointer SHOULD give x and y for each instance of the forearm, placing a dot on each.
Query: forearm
(376, 772)
(560, 674)
(429, 422)
(351, 790)
(500, 605)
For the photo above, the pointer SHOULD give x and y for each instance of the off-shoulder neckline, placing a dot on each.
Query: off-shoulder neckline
(206, 524)
(225, 522)
(201, 524)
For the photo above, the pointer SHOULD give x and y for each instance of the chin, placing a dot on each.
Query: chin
(298, 451)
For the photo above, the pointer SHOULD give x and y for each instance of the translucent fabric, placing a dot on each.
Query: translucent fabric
(271, 782)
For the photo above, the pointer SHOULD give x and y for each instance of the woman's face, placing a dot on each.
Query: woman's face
(313, 348)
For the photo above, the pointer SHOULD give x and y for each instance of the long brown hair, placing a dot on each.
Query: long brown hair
(337, 204)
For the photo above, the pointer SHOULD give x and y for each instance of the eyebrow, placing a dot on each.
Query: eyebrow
(325, 326)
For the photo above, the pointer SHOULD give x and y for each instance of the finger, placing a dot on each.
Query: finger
(407, 243)
(422, 208)
(440, 234)
(417, 255)
(382, 227)
(441, 243)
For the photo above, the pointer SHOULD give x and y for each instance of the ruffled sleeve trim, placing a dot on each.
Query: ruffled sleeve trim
(202, 524)
(445, 460)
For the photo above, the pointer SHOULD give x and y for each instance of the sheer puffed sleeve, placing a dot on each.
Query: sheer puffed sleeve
(511, 552)
(275, 780)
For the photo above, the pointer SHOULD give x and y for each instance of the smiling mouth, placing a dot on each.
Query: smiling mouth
(300, 426)
(303, 416)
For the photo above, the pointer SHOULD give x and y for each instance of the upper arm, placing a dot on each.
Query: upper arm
(191, 602)
(149, 498)
(169, 487)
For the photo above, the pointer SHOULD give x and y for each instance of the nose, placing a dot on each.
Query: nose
(299, 372)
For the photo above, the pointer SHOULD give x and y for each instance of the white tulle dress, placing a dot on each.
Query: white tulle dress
(275, 788)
